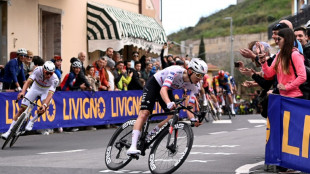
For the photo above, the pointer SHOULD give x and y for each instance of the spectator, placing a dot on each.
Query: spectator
(57, 60)
(28, 64)
(91, 78)
(109, 54)
(73, 81)
(37, 61)
(13, 71)
(116, 58)
(135, 83)
(301, 35)
(101, 72)
(288, 83)
(81, 58)
(109, 69)
(121, 79)
(146, 73)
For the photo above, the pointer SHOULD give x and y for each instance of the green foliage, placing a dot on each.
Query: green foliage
(251, 16)
(202, 51)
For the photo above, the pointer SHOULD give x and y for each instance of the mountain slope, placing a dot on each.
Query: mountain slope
(251, 16)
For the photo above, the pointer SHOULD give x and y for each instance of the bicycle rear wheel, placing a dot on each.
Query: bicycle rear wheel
(14, 129)
(115, 154)
(163, 159)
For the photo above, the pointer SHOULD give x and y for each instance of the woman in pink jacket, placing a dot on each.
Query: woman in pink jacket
(288, 83)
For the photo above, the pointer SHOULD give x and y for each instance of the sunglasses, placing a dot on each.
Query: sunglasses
(198, 75)
(135, 55)
(29, 57)
(49, 73)
(23, 55)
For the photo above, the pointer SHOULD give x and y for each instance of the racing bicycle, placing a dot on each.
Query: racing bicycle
(170, 145)
(226, 107)
(20, 125)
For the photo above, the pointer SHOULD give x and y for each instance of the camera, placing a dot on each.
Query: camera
(237, 64)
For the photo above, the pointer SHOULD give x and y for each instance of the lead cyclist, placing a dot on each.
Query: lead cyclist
(163, 82)
(45, 83)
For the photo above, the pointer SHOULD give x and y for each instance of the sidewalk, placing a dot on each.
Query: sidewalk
(264, 169)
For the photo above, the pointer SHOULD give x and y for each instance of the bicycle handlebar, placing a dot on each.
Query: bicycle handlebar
(29, 101)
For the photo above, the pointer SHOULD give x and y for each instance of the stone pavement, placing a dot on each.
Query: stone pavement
(264, 169)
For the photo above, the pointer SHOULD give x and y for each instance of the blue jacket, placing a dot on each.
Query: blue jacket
(13, 69)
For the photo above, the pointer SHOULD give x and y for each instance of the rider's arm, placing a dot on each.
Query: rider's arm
(25, 87)
(164, 94)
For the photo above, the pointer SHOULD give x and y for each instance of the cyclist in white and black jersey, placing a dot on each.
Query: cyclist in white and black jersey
(163, 82)
(44, 82)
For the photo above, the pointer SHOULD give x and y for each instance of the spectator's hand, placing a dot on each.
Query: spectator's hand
(97, 77)
(18, 89)
(281, 87)
(82, 86)
(103, 88)
(20, 95)
(1, 66)
(262, 58)
(241, 64)
(248, 84)
(246, 53)
(247, 71)
(124, 71)
(131, 73)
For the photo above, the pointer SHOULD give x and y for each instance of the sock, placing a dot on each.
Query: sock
(135, 137)
(12, 124)
(34, 118)
(232, 106)
(217, 105)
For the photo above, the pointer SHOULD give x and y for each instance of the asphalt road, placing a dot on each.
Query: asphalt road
(228, 146)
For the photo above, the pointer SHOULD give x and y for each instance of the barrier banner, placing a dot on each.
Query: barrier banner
(81, 108)
(288, 133)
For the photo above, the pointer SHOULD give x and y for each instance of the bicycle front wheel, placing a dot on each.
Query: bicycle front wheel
(14, 129)
(18, 132)
(115, 155)
(167, 159)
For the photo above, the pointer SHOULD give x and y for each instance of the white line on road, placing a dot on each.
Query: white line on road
(245, 128)
(260, 126)
(215, 146)
(68, 151)
(214, 133)
(246, 168)
(217, 153)
(258, 121)
(222, 121)
(199, 161)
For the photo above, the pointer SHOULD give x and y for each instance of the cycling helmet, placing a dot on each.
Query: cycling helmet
(49, 66)
(76, 64)
(221, 73)
(198, 66)
(21, 51)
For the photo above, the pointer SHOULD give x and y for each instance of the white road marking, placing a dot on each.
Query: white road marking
(199, 161)
(214, 133)
(258, 121)
(68, 151)
(246, 168)
(215, 146)
(260, 126)
(245, 128)
(217, 153)
(222, 121)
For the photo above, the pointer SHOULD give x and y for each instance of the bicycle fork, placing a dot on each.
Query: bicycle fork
(172, 146)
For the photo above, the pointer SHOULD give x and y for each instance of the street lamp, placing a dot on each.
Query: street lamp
(231, 46)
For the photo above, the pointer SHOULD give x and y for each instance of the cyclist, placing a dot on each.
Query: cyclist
(162, 83)
(45, 83)
(209, 91)
(223, 81)
(233, 85)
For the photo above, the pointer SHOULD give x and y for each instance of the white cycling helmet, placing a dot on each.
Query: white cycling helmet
(21, 51)
(198, 65)
(76, 64)
(49, 66)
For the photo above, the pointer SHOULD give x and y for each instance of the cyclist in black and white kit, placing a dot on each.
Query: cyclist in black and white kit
(45, 83)
(163, 82)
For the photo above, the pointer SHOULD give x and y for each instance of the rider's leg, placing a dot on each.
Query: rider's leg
(31, 122)
(231, 104)
(20, 111)
(142, 117)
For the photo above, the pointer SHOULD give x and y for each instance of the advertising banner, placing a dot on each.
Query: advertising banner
(81, 108)
(288, 133)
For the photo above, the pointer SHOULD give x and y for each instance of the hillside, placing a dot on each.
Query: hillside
(251, 16)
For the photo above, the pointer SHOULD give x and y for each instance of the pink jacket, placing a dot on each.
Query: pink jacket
(290, 81)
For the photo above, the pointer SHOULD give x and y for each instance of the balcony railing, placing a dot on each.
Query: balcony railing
(297, 20)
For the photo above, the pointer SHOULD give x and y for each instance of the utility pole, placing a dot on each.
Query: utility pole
(231, 46)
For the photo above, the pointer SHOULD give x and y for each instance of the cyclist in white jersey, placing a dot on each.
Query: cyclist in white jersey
(45, 83)
(163, 82)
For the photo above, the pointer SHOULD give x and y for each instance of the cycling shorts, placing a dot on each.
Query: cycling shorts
(33, 94)
(151, 94)
(226, 87)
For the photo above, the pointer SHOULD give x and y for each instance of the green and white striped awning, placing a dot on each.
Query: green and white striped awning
(113, 27)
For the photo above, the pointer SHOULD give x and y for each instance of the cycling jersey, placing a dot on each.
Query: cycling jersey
(223, 83)
(172, 77)
(40, 86)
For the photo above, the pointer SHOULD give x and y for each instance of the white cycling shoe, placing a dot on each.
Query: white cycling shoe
(233, 112)
(5, 135)
(29, 126)
(133, 151)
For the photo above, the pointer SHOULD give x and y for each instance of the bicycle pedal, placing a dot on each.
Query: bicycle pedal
(134, 156)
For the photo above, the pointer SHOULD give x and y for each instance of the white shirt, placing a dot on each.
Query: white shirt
(41, 83)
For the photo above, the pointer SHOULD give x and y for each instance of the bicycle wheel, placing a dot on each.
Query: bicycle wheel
(115, 154)
(163, 159)
(14, 130)
(18, 133)
(211, 111)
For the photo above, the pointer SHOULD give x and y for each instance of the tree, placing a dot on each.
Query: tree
(202, 51)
